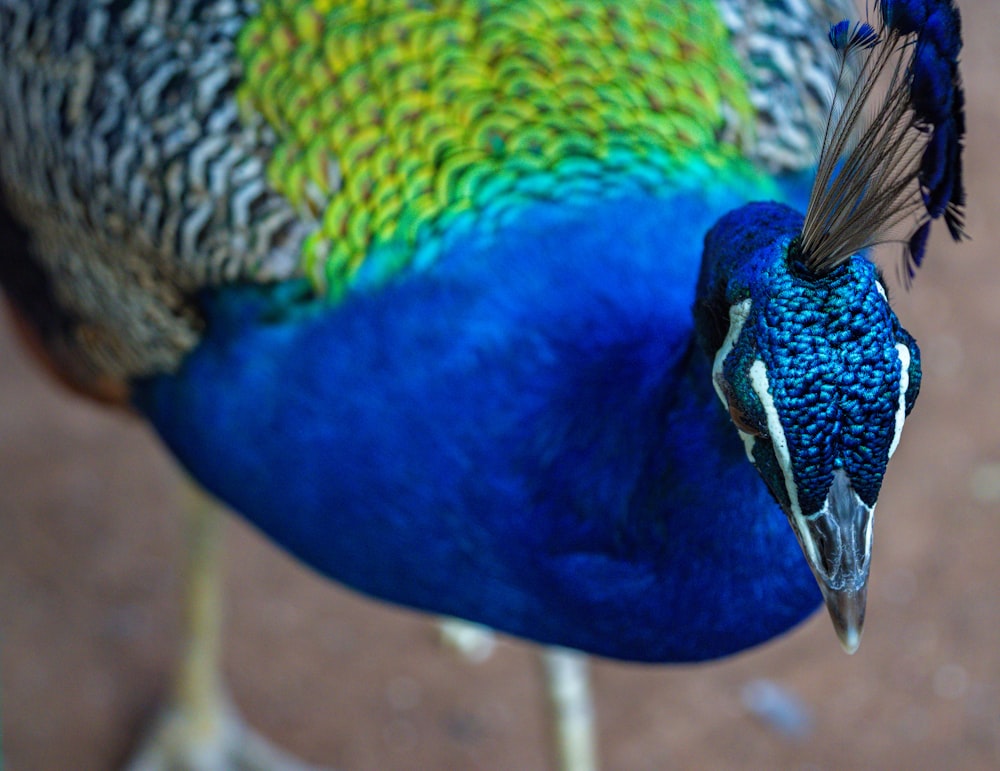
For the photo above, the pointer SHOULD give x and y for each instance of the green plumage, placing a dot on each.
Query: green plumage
(350, 142)
(402, 125)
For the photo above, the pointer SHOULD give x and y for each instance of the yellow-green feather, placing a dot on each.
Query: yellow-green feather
(401, 122)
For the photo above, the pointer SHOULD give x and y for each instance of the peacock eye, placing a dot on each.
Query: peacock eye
(743, 422)
(741, 419)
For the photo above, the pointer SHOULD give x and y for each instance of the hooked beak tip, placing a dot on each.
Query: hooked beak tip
(850, 641)
(836, 541)
(847, 611)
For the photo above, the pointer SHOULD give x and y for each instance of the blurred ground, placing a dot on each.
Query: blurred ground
(89, 554)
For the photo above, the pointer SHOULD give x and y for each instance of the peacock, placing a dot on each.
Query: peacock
(557, 317)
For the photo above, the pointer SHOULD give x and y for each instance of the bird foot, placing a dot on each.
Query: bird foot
(219, 741)
(474, 642)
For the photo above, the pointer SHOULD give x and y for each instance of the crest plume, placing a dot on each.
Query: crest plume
(886, 173)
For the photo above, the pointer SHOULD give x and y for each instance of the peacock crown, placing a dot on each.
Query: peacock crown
(886, 173)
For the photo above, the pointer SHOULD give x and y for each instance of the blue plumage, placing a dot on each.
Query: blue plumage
(830, 346)
(844, 37)
(472, 441)
(938, 101)
(526, 433)
(552, 424)
(938, 104)
(477, 310)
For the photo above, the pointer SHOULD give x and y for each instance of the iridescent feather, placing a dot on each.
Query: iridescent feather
(886, 174)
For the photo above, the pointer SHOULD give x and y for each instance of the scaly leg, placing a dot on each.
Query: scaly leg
(567, 678)
(568, 675)
(200, 730)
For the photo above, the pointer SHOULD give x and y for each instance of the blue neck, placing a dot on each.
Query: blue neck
(525, 436)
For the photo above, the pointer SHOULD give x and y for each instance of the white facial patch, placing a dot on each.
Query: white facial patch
(761, 386)
(738, 315)
(904, 385)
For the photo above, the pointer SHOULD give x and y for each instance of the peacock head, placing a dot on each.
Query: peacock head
(811, 363)
(818, 376)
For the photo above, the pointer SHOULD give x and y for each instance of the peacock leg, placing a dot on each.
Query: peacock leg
(568, 676)
(200, 730)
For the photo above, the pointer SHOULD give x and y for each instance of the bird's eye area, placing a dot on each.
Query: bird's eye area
(743, 422)
(741, 419)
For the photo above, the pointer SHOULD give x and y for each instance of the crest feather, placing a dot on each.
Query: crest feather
(885, 173)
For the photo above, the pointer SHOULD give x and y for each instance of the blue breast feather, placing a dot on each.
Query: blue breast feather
(523, 435)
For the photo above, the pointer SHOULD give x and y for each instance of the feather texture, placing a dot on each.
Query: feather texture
(476, 392)
(886, 174)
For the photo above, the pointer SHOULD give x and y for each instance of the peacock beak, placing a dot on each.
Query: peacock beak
(837, 541)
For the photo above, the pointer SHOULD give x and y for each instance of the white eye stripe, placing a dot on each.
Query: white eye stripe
(749, 440)
(904, 385)
(761, 386)
(738, 315)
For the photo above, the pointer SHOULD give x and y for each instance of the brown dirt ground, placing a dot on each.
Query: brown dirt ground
(89, 557)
